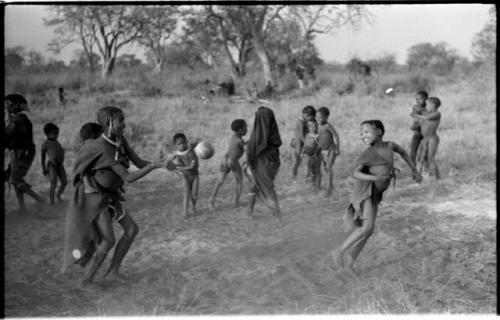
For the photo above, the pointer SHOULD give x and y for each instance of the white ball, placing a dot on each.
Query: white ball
(389, 90)
(76, 254)
(204, 150)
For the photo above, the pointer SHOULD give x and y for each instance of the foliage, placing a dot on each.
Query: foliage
(426, 56)
(484, 44)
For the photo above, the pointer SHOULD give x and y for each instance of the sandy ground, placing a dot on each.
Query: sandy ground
(433, 251)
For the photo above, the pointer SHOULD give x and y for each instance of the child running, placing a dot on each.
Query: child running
(53, 161)
(329, 143)
(19, 140)
(300, 131)
(418, 108)
(186, 162)
(231, 161)
(429, 123)
(90, 216)
(372, 173)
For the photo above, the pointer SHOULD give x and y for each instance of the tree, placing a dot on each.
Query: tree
(127, 61)
(160, 26)
(484, 44)
(426, 56)
(34, 60)
(14, 57)
(73, 24)
(83, 61)
(109, 28)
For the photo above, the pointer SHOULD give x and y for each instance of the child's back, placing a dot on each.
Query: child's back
(429, 127)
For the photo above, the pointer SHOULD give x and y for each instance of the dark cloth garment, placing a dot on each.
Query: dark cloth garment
(372, 163)
(19, 133)
(263, 155)
(54, 151)
(95, 159)
(20, 162)
(265, 136)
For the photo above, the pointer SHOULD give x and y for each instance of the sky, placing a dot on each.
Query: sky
(393, 29)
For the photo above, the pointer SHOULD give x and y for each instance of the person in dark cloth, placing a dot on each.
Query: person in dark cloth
(19, 140)
(373, 172)
(53, 161)
(263, 159)
(91, 213)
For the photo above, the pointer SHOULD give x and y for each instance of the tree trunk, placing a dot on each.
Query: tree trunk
(108, 67)
(264, 60)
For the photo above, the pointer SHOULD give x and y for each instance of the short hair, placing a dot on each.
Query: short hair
(324, 111)
(90, 130)
(18, 101)
(238, 124)
(435, 101)
(61, 89)
(49, 128)
(377, 124)
(309, 110)
(423, 93)
(178, 136)
(106, 113)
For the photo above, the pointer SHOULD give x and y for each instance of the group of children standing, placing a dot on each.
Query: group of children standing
(101, 168)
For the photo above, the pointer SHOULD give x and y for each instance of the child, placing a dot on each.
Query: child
(90, 131)
(61, 96)
(329, 143)
(186, 161)
(54, 167)
(312, 150)
(19, 140)
(231, 160)
(418, 108)
(300, 131)
(373, 172)
(429, 123)
(90, 215)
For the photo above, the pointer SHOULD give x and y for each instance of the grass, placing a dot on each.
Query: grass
(425, 257)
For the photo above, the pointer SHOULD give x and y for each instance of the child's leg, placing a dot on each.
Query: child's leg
(432, 149)
(354, 251)
(104, 227)
(20, 199)
(330, 160)
(253, 195)
(53, 182)
(130, 230)
(415, 142)
(359, 233)
(194, 192)
(238, 175)
(187, 196)
(317, 172)
(296, 158)
(218, 184)
(64, 181)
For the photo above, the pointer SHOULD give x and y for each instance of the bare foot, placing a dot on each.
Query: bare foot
(115, 276)
(337, 258)
(85, 285)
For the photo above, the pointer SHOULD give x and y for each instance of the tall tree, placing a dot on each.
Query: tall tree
(109, 28)
(160, 26)
(73, 24)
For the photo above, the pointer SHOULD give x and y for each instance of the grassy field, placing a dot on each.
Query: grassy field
(433, 251)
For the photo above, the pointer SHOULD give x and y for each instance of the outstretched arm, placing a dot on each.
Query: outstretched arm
(129, 177)
(44, 168)
(136, 160)
(408, 160)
